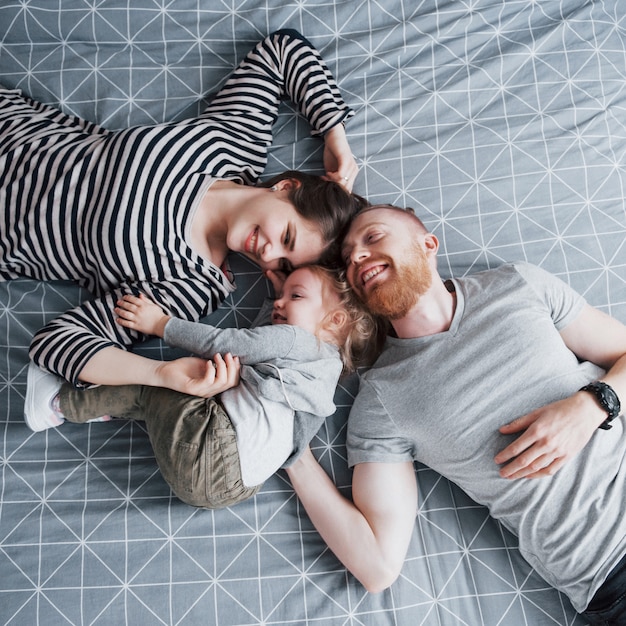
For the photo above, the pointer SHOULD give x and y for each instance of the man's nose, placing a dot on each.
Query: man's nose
(357, 254)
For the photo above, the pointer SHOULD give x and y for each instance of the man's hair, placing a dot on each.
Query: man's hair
(408, 211)
(324, 203)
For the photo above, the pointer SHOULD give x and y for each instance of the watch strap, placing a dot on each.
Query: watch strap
(607, 399)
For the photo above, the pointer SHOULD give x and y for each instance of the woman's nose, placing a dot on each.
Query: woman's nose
(265, 253)
(269, 254)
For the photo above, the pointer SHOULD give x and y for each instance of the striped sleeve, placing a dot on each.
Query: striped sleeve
(284, 64)
(68, 342)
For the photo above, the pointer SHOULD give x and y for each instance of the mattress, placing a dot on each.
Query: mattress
(501, 123)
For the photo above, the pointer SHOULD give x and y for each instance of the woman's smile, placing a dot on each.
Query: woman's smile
(252, 241)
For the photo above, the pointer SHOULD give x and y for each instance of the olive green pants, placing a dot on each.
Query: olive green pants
(194, 441)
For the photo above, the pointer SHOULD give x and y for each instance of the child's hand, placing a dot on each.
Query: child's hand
(140, 314)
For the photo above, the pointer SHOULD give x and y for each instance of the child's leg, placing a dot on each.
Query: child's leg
(195, 446)
(81, 405)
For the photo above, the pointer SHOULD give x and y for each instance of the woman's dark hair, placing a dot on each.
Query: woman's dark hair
(324, 203)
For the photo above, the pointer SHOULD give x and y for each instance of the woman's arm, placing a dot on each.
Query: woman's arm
(369, 535)
(190, 375)
(284, 64)
(339, 164)
(66, 345)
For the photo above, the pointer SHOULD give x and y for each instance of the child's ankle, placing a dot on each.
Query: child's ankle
(55, 405)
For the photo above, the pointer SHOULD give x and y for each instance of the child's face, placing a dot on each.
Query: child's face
(302, 301)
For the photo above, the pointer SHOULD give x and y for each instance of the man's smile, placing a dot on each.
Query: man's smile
(369, 273)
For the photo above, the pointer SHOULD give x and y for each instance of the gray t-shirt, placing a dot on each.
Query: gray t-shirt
(441, 399)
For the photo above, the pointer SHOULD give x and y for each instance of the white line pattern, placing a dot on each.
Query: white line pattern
(502, 123)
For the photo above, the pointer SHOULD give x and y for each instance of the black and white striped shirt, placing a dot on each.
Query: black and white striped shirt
(112, 209)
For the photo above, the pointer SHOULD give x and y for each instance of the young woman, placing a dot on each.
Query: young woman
(216, 452)
(156, 209)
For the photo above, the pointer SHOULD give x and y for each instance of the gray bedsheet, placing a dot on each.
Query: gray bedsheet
(501, 123)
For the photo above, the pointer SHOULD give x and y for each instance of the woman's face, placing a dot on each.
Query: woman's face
(273, 234)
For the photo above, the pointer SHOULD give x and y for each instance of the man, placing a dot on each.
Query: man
(479, 379)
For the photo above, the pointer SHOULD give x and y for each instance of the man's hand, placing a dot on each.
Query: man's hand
(552, 436)
(199, 377)
(140, 314)
(339, 163)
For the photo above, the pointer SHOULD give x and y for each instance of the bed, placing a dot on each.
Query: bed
(503, 123)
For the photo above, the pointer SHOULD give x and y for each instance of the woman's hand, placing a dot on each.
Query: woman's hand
(199, 377)
(339, 162)
(140, 314)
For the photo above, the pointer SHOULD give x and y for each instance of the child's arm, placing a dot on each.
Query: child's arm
(140, 314)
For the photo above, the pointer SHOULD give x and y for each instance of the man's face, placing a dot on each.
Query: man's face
(386, 264)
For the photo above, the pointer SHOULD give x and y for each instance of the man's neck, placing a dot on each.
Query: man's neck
(432, 314)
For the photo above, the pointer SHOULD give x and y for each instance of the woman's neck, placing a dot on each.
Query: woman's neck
(209, 229)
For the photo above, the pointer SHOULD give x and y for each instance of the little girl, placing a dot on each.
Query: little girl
(215, 452)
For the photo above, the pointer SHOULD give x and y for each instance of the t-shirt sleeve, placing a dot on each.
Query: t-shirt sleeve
(563, 302)
(372, 435)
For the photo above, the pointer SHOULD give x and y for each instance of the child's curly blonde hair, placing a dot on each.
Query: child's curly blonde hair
(359, 336)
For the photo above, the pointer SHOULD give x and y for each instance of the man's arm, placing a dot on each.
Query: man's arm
(557, 432)
(370, 535)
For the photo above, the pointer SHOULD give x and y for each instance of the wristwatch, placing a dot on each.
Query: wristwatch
(607, 399)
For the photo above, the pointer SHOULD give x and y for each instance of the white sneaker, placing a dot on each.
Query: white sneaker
(41, 388)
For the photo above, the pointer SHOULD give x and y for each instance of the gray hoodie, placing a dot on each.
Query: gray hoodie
(281, 363)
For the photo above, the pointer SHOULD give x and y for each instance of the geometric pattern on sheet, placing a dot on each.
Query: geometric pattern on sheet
(501, 123)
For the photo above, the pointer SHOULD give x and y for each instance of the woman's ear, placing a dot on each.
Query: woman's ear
(287, 184)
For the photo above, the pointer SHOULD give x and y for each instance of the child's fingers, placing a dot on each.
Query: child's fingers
(124, 318)
(131, 302)
(122, 313)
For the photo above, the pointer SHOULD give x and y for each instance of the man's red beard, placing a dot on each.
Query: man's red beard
(394, 297)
